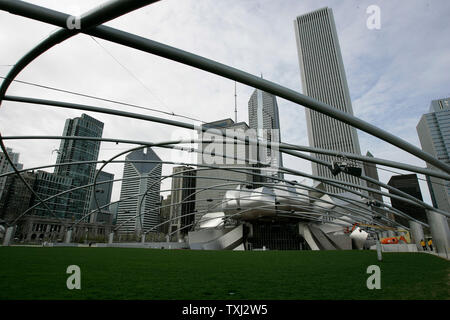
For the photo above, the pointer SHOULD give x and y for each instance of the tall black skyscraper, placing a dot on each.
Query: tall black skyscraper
(79, 150)
(409, 184)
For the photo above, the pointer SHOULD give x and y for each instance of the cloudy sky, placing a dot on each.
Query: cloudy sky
(393, 73)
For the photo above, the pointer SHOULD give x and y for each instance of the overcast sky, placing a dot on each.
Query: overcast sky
(393, 73)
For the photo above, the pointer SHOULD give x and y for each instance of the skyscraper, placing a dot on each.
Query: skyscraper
(212, 184)
(434, 135)
(103, 194)
(264, 118)
(323, 78)
(6, 167)
(164, 214)
(182, 200)
(79, 150)
(16, 197)
(409, 184)
(372, 172)
(49, 184)
(146, 176)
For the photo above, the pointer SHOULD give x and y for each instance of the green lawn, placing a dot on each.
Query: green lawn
(120, 273)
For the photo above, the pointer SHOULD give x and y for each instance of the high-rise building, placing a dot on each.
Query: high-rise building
(372, 172)
(323, 78)
(79, 150)
(50, 184)
(144, 167)
(16, 197)
(6, 167)
(164, 214)
(434, 135)
(182, 200)
(212, 184)
(103, 194)
(264, 118)
(409, 184)
(113, 208)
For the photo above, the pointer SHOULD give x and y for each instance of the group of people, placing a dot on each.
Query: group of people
(424, 246)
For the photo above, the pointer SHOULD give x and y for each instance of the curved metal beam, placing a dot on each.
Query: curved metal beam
(191, 126)
(165, 51)
(103, 13)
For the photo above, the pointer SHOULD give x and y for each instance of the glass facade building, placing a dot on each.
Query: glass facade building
(434, 135)
(409, 184)
(182, 200)
(263, 117)
(103, 194)
(142, 174)
(49, 184)
(6, 167)
(74, 150)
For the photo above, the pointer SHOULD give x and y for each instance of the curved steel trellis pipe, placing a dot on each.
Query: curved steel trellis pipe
(246, 168)
(283, 148)
(142, 147)
(153, 47)
(190, 126)
(371, 180)
(405, 197)
(225, 184)
(231, 216)
(214, 187)
(103, 13)
(170, 142)
(121, 161)
(15, 171)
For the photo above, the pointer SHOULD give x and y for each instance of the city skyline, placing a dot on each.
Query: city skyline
(361, 49)
(132, 133)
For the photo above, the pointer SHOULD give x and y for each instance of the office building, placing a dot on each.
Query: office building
(182, 201)
(5, 166)
(73, 150)
(434, 135)
(16, 197)
(409, 184)
(228, 173)
(47, 185)
(114, 208)
(323, 78)
(263, 117)
(142, 171)
(164, 214)
(103, 192)
(372, 172)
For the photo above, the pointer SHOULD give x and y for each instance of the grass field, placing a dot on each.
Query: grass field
(119, 273)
